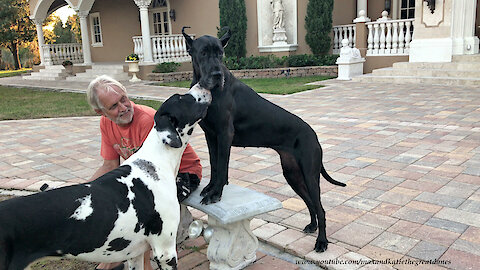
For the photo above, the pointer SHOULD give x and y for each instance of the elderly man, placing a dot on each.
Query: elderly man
(124, 126)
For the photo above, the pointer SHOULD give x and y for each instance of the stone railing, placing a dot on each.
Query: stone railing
(391, 37)
(55, 54)
(341, 32)
(165, 48)
(384, 37)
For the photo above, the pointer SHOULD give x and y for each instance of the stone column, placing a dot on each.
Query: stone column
(41, 39)
(144, 21)
(463, 27)
(87, 56)
(362, 5)
(361, 35)
(448, 31)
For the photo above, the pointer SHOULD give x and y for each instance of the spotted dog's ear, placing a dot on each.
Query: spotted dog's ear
(167, 131)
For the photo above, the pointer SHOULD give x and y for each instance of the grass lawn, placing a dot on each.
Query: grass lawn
(279, 86)
(11, 73)
(22, 103)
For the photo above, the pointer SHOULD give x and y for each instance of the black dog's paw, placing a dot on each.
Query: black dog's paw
(211, 197)
(321, 246)
(206, 190)
(310, 228)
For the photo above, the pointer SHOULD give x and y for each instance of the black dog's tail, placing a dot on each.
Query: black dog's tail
(330, 179)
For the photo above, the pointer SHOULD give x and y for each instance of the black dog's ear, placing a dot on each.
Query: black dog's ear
(188, 39)
(167, 131)
(226, 37)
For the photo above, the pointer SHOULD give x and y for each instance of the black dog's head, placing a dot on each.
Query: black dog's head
(177, 117)
(207, 54)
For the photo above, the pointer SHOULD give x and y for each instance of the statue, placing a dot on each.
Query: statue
(278, 9)
(348, 53)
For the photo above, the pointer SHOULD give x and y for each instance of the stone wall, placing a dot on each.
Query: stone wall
(254, 73)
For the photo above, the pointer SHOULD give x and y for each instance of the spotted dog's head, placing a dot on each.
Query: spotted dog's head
(179, 114)
(207, 54)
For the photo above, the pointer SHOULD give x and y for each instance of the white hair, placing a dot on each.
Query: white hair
(105, 83)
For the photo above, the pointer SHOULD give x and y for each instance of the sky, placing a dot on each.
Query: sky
(64, 12)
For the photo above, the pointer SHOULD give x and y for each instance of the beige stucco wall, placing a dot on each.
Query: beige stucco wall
(344, 11)
(202, 16)
(443, 30)
(117, 34)
(374, 62)
(375, 9)
(119, 23)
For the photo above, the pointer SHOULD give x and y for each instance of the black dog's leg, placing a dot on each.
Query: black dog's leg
(4, 255)
(295, 178)
(224, 143)
(309, 163)
(212, 151)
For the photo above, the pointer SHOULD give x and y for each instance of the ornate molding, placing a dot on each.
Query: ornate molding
(82, 13)
(37, 21)
(143, 3)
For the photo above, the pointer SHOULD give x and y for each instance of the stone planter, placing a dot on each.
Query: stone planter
(133, 68)
(68, 69)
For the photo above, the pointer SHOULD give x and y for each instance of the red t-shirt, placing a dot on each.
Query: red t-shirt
(124, 141)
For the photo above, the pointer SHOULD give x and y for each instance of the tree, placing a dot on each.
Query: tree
(74, 24)
(318, 24)
(16, 28)
(63, 34)
(234, 15)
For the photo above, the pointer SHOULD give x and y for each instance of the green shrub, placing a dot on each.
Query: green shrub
(254, 62)
(329, 59)
(318, 24)
(234, 15)
(166, 67)
(303, 60)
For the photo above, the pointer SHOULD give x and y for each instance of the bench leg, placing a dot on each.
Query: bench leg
(231, 246)
(185, 220)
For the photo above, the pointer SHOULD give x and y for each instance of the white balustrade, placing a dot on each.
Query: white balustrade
(165, 48)
(390, 37)
(55, 54)
(341, 32)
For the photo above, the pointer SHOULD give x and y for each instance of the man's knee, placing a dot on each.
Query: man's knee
(186, 184)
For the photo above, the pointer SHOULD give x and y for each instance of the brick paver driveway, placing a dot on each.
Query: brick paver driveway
(410, 155)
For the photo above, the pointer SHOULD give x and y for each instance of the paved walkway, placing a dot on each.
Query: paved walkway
(410, 155)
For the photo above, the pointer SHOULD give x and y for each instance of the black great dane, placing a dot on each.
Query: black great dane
(238, 116)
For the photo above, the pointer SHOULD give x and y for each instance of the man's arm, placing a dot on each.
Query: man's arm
(107, 166)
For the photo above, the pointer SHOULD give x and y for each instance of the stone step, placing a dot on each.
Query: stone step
(43, 78)
(426, 73)
(418, 80)
(113, 70)
(461, 66)
(115, 66)
(83, 78)
(466, 58)
(51, 71)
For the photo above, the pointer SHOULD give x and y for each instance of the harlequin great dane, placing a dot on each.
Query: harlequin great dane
(118, 216)
(238, 116)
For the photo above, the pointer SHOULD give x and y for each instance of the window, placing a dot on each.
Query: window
(96, 30)
(407, 9)
(160, 19)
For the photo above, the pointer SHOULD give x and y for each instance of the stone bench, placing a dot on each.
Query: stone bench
(231, 242)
